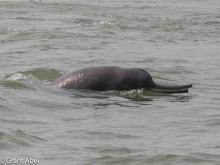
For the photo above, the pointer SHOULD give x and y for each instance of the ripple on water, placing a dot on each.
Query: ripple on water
(18, 139)
(108, 135)
(21, 80)
(155, 159)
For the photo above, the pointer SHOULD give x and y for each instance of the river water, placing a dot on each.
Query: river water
(177, 41)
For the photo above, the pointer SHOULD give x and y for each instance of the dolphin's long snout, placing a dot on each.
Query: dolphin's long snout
(171, 89)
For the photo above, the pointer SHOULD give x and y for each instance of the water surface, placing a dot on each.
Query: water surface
(176, 41)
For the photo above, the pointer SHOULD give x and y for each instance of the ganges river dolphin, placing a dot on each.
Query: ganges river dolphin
(104, 78)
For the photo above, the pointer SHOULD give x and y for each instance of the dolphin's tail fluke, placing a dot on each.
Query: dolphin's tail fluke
(171, 89)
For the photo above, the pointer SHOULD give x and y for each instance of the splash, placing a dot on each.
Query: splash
(132, 93)
(16, 76)
(26, 79)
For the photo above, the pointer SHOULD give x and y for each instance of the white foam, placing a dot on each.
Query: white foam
(132, 93)
(16, 76)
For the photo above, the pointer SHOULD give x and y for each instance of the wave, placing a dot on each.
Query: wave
(17, 139)
(198, 158)
(22, 80)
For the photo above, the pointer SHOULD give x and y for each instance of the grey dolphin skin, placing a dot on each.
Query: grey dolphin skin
(104, 78)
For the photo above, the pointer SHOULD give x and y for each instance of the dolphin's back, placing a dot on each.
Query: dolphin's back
(94, 78)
